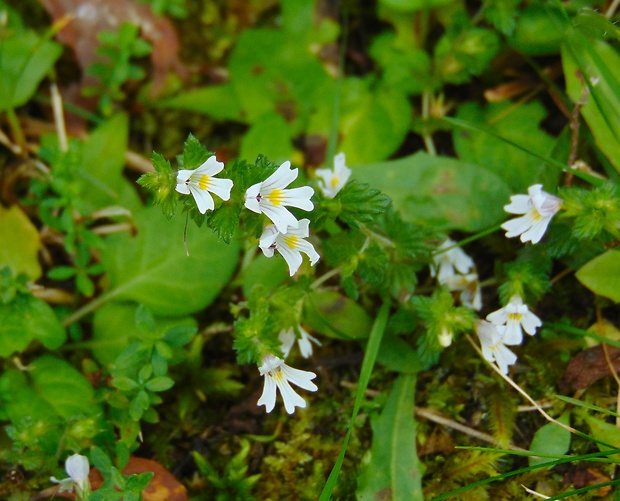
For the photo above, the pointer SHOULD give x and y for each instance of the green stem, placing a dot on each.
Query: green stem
(88, 308)
(322, 279)
(18, 134)
(428, 140)
(468, 240)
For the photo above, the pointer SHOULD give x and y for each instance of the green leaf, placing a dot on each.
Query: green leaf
(370, 356)
(20, 243)
(161, 383)
(103, 161)
(270, 135)
(361, 204)
(331, 314)
(51, 388)
(28, 319)
(539, 31)
(394, 466)
(551, 439)
(114, 328)
(592, 70)
(219, 102)
(398, 356)
(516, 123)
(440, 191)
(602, 275)
(502, 14)
(602, 431)
(413, 5)
(25, 59)
(124, 383)
(194, 154)
(153, 269)
(373, 122)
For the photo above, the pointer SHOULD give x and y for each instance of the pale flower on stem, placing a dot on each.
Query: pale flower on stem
(332, 181)
(200, 182)
(270, 198)
(78, 468)
(446, 261)
(445, 337)
(493, 345)
(537, 207)
(289, 245)
(469, 287)
(278, 375)
(287, 337)
(517, 318)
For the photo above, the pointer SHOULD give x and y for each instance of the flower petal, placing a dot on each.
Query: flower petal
(281, 178)
(220, 187)
(203, 198)
(268, 397)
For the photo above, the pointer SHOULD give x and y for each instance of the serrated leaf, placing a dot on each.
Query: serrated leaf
(394, 466)
(20, 243)
(439, 191)
(551, 439)
(153, 269)
(361, 203)
(194, 154)
(25, 320)
(602, 275)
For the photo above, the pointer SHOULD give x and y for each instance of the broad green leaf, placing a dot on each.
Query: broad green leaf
(270, 135)
(373, 122)
(25, 59)
(603, 431)
(441, 191)
(551, 439)
(28, 319)
(52, 387)
(219, 102)
(274, 71)
(334, 315)
(114, 327)
(394, 471)
(539, 30)
(592, 71)
(397, 355)
(20, 243)
(602, 275)
(518, 123)
(153, 269)
(268, 272)
(103, 160)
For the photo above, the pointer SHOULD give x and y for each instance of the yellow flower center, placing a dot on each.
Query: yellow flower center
(335, 181)
(291, 240)
(277, 375)
(204, 182)
(514, 317)
(276, 197)
(536, 216)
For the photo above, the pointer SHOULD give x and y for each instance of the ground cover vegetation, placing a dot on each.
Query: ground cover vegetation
(309, 249)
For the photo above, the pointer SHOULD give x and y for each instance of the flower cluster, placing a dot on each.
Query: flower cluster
(505, 327)
(455, 269)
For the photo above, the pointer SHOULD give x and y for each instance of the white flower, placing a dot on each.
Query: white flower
(270, 197)
(290, 245)
(277, 376)
(447, 261)
(515, 315)
(538, 208)
(493, 345)
(332, 181)
(201, 183)
(469, 286)
(77, 468)
(445, 337)
(287, 338)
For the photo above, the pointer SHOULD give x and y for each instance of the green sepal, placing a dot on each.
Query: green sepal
(162, 183)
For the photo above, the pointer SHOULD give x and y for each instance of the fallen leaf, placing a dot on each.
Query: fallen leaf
(588, 367)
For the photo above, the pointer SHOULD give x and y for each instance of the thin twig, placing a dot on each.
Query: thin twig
(520, 390)
(612, 9)
(59, 117)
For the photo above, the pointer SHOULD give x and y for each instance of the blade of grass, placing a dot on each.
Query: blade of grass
(582, 333)
(464, 124)
(579, 403)
(372, 348)
(451, 494)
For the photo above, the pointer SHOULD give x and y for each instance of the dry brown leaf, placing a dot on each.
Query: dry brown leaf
(589, 366)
